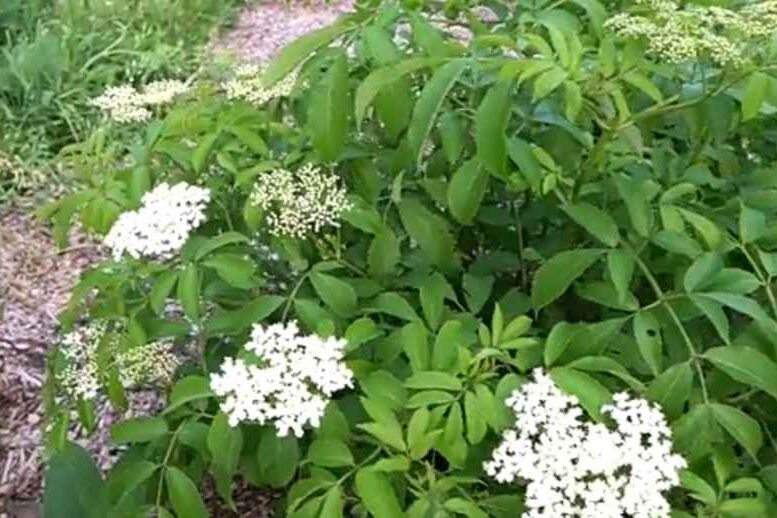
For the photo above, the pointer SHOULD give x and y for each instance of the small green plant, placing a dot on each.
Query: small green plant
(441, 262)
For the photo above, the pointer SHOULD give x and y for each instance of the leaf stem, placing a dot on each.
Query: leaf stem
(292, 295)
(675, 318)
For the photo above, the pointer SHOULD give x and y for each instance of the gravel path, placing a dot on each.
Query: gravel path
(35, 282)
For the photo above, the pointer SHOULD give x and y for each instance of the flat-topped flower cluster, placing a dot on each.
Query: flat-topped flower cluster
(248, 85)
(92, 350)
(125, 103)
(681, 35)
(577, 468)
(161, 226)
(287, 381)
(300, 202)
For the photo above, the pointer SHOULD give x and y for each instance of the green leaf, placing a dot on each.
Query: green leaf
(555, 276)
(430, 232)
(376, 494)
(620, 265)
(647, 333)
(278, 458)
(547, 82)
(396, 305)
(220, 241)
(434, 290)
(741, 426)
(189, 292)
(337, 294)
(224, 444)
(644, 84)
(138, 429)
(464, 507)
(591, 393)
(433, 380)
(739, 303)
(429, 103)
(383, 255)
(202, 152)
(184, 495)
(744, 508)
(557, 341)
(633, 195)
(185, 390)
(672, 388)
(163, 286)
(714, 313)
(445, 351)
(752, 224)
(235, 270)
(300, 49)
(702, 271)
(475, 419)
(746, 365)
(597, 222)
(234, 322)
(330, 453)
(490, 128)
(126, 477)
(415, 341)
(452, 136)
(698, 486)
(385, 388)
(333, 503)
(416, 429)
(522, 155)
(328, 113)
(608, 365)
(381, 78)
(73, 486)
(755, 92)
(466, 190)
(429, 398)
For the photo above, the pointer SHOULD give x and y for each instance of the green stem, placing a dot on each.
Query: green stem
(663, 298)
(292, 295)
(165, 462)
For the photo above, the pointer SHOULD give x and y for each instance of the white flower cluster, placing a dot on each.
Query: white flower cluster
(247, 85)
(87, 347)
(81, 377)
(299, 202)
(682, 35)
(290, 382)
(125, 104)
(161, 226)
(150, 363)
(575, 468)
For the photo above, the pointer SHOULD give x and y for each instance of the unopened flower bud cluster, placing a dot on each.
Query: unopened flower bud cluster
(90, 350)
(685, 35)
(576, 468)
(300, 202)
(248, 85)
(125, 103)
(161, 226)
(287, 382)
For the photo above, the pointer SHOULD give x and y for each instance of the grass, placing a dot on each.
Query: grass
(57, 54)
